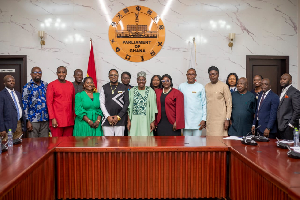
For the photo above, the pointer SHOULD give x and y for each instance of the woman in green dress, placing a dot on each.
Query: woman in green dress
(87, 110)
(142, 108)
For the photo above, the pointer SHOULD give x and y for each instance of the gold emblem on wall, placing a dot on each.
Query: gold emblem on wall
(136, 33)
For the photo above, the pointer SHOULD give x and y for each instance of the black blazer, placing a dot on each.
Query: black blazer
(289, 109)
(9, 113)
(267, 112)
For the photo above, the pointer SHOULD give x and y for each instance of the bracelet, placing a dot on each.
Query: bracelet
(119, 118)
(88, 121)
(98, 120)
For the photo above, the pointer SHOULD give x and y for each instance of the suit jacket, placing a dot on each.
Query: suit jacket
(289, 109)
(267, 112)
(9, 113)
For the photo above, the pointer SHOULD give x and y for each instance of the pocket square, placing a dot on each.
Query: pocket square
(286, 96)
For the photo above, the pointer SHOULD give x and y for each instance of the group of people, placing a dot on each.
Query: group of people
(77, 109)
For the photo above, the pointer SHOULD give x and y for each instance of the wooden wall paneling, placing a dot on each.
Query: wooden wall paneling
(245, 183)
(179, 174)
(39, 184)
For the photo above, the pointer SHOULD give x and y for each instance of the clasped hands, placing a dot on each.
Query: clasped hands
(112, 120)
(93, 124)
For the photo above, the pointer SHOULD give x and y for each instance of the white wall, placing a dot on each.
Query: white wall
(262, 28)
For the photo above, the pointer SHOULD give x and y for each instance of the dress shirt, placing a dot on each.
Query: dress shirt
(34, 101)
(17, 99)
(264, 98)
(284, 91)
(232, 89)
(282, 95)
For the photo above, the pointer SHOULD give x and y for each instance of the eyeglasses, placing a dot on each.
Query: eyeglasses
(36, 73)
(141, 80)
(167, 81)
(191, 74)
(113, 75)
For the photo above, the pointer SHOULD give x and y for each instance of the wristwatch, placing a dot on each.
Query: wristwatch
(227, 119)
(119, 118)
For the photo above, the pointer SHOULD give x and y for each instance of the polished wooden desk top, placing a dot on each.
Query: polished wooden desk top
(19, 161)
(141, 143)
(271, 161)
(268, 160)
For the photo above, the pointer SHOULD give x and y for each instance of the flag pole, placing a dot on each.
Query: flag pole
(195, 48)
(91, 43)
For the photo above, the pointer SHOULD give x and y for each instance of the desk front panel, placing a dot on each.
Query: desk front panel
(151, 171)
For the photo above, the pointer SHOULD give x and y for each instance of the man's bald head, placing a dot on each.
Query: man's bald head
(242, 85)
(9, 81)
(285, 80)
(265, 84)
(36, 74)
(35, 68)
(244, 79)
(7, 77)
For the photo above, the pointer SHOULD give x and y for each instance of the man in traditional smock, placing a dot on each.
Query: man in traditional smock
(218, 101)
(243, 109)
(114, 104)
(142, 108)
(194, 105)
(60, 102)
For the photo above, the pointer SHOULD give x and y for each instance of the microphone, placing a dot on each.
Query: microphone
(281, 145)
(260, 138)
(248, 139)
(254, 129)
(293, 154)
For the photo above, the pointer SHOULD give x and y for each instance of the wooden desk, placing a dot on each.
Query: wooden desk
(27, 172)
(262, 172)
(141, 167)
(147, 167)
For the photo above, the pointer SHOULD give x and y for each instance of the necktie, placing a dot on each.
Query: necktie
(231, 90)
(262, 99)
(13, 96)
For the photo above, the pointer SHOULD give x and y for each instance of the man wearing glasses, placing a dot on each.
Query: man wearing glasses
(114, 102)
(35, 106)
(194, 105)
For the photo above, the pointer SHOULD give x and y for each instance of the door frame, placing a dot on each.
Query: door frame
(23, 80)
(249, 74)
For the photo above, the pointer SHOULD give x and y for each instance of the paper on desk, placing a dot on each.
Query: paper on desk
(297, 149)
(232, 138)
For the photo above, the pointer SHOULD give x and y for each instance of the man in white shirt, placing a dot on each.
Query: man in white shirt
(11, 110)
(288, 112)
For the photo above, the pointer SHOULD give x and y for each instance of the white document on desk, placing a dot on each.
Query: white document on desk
(297, 149)
(232, 138)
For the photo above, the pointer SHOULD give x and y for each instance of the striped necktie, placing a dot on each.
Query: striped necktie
(13, 96)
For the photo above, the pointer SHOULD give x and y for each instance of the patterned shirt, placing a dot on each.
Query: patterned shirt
(34, 101)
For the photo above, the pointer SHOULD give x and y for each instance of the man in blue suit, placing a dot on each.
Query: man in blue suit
(11, 110)
(266, 112)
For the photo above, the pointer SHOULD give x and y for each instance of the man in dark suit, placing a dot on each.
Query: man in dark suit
(11, 110)
(288, 112)
(266, 112)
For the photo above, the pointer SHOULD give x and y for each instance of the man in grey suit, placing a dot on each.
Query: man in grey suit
(288, 112)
